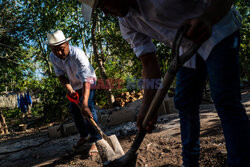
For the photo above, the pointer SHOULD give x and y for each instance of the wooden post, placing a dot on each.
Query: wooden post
(5, 127)
(1, 128)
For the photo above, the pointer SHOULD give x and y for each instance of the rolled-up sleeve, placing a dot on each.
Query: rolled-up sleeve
(140, 43)
(86, 72)
(58, 71)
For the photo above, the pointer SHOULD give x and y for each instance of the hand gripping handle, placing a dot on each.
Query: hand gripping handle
(74, 98)
(177, 60)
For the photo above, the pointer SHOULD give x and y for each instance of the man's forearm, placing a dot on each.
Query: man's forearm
(217, 10)
(65, 83)
(151, 70)
(85, 93)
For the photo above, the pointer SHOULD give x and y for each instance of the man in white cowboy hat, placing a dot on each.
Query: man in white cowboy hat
(214, 24)
(76, 74)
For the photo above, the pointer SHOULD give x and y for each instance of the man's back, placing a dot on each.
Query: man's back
(159, 19)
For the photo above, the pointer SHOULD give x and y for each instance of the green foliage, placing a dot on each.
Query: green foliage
(243, 7)
(14, 59)
(53, 99)
(15, 113)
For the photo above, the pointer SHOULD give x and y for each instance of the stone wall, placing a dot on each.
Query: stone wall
(9, 100)
(120, 115)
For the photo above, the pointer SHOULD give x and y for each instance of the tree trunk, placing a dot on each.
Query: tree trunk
(82, 33)
(45, 56)
(99, 61)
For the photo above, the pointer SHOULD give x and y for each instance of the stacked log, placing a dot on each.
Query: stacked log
(128, 97)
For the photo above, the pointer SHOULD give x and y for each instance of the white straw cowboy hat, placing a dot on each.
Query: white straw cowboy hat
(56, 38)
(88, 7)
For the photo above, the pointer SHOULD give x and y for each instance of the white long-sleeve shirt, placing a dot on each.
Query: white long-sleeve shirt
(160, 19)
(76, 66)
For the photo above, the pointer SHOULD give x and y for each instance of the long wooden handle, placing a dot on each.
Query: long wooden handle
(92, 122)
(101, 133)
(176, 63)
(158, 98)
(96, 127)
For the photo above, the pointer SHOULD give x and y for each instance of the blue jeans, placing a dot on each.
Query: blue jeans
(222, 69)
(83, 125)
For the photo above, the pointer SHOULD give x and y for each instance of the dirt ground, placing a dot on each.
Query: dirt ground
(162, 148)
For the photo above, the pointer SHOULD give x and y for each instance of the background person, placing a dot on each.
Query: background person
(76, 74)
